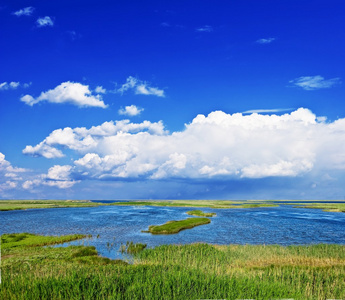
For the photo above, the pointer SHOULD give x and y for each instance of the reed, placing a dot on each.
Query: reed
(195, 271)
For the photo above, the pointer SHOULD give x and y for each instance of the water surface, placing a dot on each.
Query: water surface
(283, 225)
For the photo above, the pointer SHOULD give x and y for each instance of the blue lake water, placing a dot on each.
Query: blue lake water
(115, 225)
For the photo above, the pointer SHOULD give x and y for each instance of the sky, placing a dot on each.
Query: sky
(239, 99)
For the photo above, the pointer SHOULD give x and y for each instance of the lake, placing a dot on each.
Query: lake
(112, 226)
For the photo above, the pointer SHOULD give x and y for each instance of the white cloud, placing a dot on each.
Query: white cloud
(100, 90)
(140, 87)
(259, 111)
(26, 11)
(219, 145)
(85, 140)
(310, 83)
(205, 28)
(9, 175)
(12, 85)
(43, 22)
(68, 92)
(265, 41)
(131, 110)
(57, 176)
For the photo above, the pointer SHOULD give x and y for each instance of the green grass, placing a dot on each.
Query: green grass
(13, 240)
(172, 227)
(195, 271)
(200, 213)
(199, 203)
(330, 207)
(131, 248)
(6, 205)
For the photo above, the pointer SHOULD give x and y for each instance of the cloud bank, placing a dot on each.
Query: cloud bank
(218, 146)
(68, 92)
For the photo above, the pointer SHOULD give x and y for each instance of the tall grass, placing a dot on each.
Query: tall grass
(196, 271)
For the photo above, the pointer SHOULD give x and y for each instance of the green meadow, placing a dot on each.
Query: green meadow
(196, 271)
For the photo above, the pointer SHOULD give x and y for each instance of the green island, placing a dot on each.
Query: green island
(200, 213)
(330, 207)
(193, 271)
(172, 227)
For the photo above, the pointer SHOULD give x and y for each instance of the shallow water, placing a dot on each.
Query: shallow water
(283, 225)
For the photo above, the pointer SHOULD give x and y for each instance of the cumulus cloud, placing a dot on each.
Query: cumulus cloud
(222, 146)
(205, 28)
(12, 85)
(265, 41)
(57, 176)
(26, 11)
(310, 83)
(130, 110)
(9, 175)
(45, 21)
(140, 87)
(68, 92)
(85, 140)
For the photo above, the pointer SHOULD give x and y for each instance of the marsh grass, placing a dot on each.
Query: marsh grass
(6, 205)
(195, 271)
(172, 227)
(200, 213)
(329, 207)
(132, 248)
(200, 203)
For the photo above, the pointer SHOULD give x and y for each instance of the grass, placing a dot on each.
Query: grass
(330, 207)
(199, 203)
(131, 248)
(200, 213)
(6, 205)
(14, 240)
(172, 227)
(195, 271)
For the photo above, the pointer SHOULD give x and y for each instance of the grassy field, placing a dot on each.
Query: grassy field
(172, 227)
(200, 213)
(195, 271)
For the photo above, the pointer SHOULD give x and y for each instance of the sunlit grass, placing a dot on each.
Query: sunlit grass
(200, 213)
(172, 227)
(194, 271)
(329, 207)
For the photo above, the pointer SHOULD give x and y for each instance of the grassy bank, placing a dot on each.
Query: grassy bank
(200, 203)
(172, 227)
(196, 271)
(330, 207)
(6, 205)
(200, 213)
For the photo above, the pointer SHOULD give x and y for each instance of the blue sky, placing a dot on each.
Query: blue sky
(187, 99)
